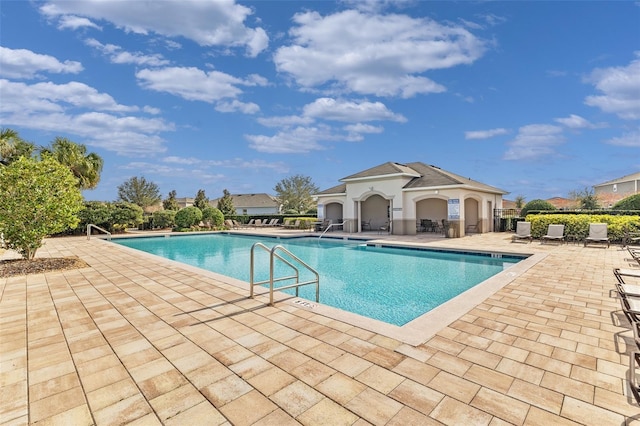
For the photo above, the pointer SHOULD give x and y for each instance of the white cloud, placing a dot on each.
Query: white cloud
(620, 88)
(485, 134)
(25, 64)
(576, 122)
(285, 121)
(75, 22)
(341, 110)
(118, 56)
(237, 106)
(194, 84)
(77, 109)
(534, 141)
(363, 128)
(295, 140)
(381, 55)
(207, 22)
(181, 160)
(630, 139)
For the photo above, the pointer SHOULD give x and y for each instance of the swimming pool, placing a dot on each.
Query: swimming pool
(390, 284)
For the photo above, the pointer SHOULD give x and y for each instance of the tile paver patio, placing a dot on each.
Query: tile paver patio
(136, 340)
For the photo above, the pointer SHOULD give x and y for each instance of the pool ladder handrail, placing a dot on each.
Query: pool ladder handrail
(272, 256)
(91, 225)
(329, 227)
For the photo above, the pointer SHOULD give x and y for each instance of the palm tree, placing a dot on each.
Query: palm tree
(85, 167)
(13, 147)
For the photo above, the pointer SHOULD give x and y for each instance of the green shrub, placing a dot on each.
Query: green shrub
(536, 205)
(37, 198)
(578, 224)
(188, 217)
(213, 215)
(164, 218)
(125, 215)
(630, 203)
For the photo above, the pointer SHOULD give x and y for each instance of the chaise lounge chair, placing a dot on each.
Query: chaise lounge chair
(597, 234)
(289, 225)
(523, 231)
(554, 233)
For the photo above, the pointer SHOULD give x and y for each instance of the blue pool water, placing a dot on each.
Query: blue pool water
(394, 285)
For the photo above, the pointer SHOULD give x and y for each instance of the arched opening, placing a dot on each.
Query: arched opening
(374, 212)
(434, 209)
(472, 216)
(333, 212)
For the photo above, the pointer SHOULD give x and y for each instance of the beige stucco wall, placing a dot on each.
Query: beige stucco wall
(369, 199)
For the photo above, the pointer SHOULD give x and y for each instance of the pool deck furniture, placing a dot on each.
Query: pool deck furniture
(597, 234)
(523, 232)
(554, 233)
(134, 338)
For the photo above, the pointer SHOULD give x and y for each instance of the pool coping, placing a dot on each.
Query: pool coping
(414, 332)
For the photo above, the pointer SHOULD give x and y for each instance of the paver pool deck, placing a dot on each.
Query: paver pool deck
(133, 339)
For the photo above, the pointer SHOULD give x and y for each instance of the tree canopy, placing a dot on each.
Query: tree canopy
(201, 201)
(139, 191)
(37, 198)
(86, 167)
(295, 193)
(12, 146)
(225, 204)
(170, 203)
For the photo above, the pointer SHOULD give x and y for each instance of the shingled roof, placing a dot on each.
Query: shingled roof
(422, 176)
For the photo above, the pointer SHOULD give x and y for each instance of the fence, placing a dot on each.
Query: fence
(505, 219)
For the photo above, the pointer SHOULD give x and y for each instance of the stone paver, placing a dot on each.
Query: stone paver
(137, 340)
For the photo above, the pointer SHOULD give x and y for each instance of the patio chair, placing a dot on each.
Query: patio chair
(597, 234)
(366, 225)
(523, 232)
(474, 227)
(295, 225)
(631, 275)
(384, 228)
(554, 233)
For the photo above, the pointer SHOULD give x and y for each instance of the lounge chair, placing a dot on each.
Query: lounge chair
(473, 227)
(554, 233)
(597, 234)
(229, 224)
(523, 232)
(295, 225)
(251, 223)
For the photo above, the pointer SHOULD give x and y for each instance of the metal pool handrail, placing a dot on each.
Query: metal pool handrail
(274, 255)
(91, 225)
(329, 227)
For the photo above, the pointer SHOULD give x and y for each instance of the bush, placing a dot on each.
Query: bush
(188, 217)
(630, 203)
(214, 216)
(97, 213)
(578, 224)
(37, 198)
(536, 205)
(125, 215)
(164, 218)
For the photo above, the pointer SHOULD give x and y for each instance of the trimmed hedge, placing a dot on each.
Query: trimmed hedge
(578, 224)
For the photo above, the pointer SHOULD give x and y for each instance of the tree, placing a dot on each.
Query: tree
(225, 204)
(140, 192)
(37, 198)
(12, 147)
(85, 167)
(519, 201)
(585, 199)
(164, 218)
(170, 203)
(201, 201)
(188, 217)
(213, 216)
(536, 205)
(295, 193)
(631, 202)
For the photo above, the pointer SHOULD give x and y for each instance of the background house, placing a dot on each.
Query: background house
(253, 204)
(612, 191)
(396, 197)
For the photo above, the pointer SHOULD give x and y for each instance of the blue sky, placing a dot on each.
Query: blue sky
(537, 98)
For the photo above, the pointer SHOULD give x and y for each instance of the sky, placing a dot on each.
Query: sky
(540, 99)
